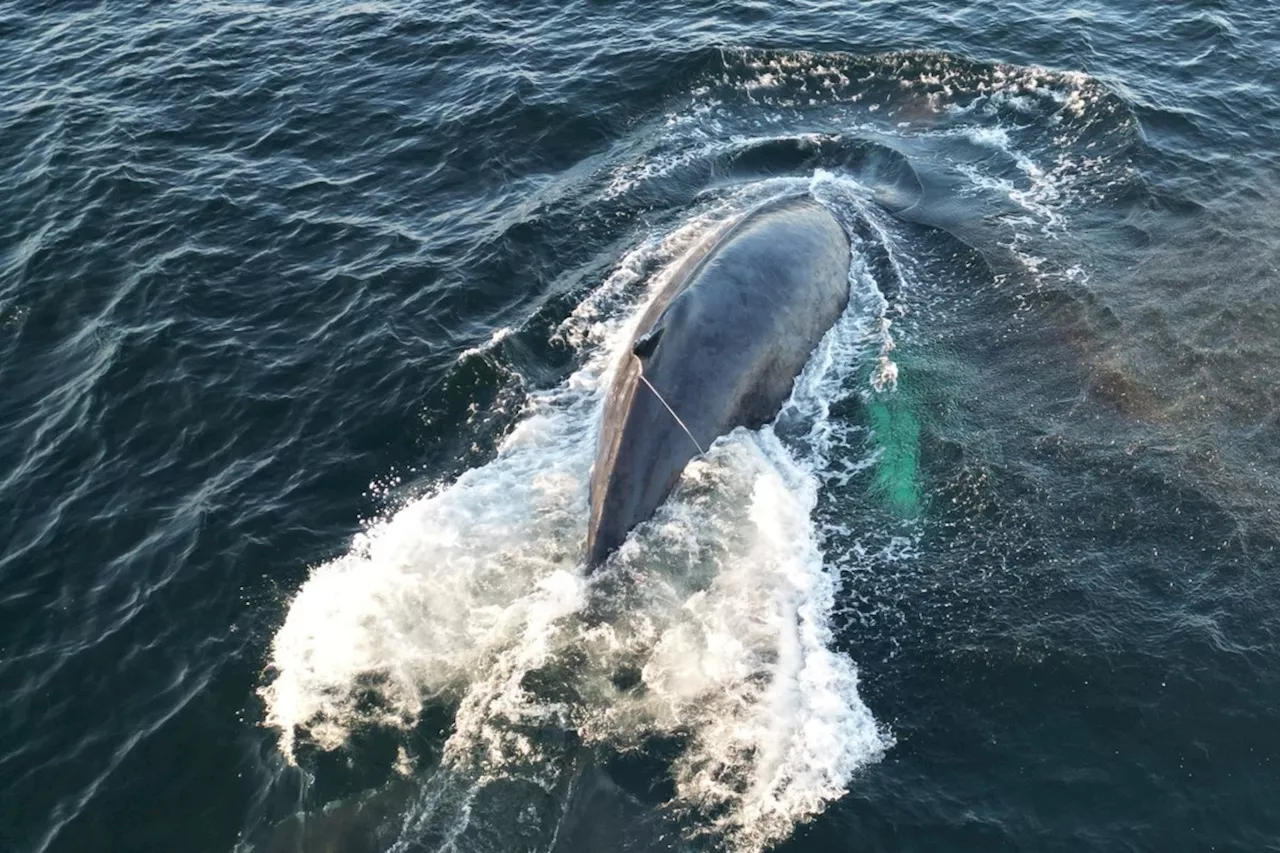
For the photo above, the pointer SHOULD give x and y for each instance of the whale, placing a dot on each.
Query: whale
(718, 347)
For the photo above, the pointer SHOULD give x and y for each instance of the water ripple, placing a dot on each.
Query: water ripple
(253, 267)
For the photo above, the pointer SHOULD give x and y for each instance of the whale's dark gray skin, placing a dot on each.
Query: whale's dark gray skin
(722, 343)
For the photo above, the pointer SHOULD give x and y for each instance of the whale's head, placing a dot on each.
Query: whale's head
(719, 348)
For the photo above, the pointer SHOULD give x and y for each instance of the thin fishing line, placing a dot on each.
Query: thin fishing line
(646, 381)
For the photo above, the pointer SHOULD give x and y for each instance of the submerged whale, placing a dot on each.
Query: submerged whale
(720, 347)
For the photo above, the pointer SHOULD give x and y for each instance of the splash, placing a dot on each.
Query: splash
(473, 595)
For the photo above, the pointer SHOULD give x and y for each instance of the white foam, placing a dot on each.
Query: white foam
(741, 662)
(499, 335)
(721, 604)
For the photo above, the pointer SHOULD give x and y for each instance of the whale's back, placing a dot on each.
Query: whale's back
(722, 346)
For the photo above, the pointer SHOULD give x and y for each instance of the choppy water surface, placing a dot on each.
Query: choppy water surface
(306, 314)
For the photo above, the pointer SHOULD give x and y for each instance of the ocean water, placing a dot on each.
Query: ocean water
(306, 317)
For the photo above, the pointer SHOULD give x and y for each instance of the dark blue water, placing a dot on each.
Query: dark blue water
(304, 313)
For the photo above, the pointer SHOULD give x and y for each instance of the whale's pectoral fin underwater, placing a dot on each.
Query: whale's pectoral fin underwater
(719, 348)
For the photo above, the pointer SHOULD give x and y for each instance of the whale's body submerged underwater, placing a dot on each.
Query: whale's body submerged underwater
(720, 347)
